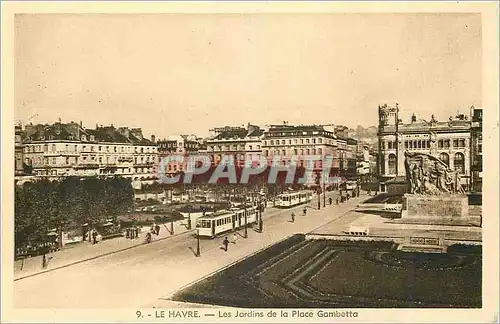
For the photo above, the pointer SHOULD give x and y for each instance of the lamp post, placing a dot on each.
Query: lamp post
(189, 217)
(198, 243)
(324, 195)
(261, 222)
(246, 223)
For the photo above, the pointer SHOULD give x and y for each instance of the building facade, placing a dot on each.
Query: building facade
(180, 146)
(476, 149)
(300, 141)
(243, 143)
(68, 149)
(448, 141)
(19, 152)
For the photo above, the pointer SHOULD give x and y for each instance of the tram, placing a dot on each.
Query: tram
(223, 221)
(293, 198)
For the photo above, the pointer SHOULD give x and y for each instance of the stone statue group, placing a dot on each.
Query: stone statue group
(428, 175)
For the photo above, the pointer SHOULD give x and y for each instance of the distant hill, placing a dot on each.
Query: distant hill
(368, 134)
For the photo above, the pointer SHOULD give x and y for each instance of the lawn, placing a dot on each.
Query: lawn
(293, 273)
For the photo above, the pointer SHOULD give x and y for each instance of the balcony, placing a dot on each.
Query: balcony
(61, 153)
(86, 166)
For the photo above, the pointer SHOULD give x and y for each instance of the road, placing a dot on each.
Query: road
(139, 276)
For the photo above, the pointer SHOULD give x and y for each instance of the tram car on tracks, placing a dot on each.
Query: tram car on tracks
(213, 224)
(291, 199)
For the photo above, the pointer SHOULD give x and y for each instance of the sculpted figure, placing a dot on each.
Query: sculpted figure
(427, 174)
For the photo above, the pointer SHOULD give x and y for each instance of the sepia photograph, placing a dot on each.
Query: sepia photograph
(250, 162)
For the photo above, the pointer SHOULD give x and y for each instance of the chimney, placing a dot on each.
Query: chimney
(153, 138)
(413, 118)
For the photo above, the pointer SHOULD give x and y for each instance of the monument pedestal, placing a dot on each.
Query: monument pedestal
(446, 209)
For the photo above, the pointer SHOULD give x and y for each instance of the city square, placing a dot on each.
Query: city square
(213, 167)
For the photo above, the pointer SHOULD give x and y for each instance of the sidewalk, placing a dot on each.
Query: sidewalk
(213, 260)
(164, 267)
(81, 252)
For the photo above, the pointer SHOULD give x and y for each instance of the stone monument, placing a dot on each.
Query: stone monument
(435, 194)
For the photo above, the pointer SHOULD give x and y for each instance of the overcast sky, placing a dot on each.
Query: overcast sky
(180, 74)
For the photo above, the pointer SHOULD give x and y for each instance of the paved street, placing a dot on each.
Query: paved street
(140, 276)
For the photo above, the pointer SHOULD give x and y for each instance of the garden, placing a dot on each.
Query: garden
(324, 273)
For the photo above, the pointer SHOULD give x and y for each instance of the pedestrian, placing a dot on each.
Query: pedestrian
(337, 200)
(234, 238)
(304, 211)
(225, 243)
(94, 236)
(330, 200)
(148, 237)
(293, 217)
(136, 232)
(157, 229)
(127, 233)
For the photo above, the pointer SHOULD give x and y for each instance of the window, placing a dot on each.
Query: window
(461, 142)
(283, 142)
(406, 144)
(459, 163)
(320, 141)
(455, 143)
(440, 144)
(428, 143)
(445, 158)
(392, 164)
(307, 141)
(389, 145)
(447, 143)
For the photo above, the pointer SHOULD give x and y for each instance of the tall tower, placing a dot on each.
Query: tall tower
(387, 135)
(388, 116)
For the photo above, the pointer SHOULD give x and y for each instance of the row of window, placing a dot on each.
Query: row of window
(318, 151)
(101, 171)
(423, 144)
(89, 159)
(90, 148)
(180, 144)
(297, 141)
(232, 147)
(458, 162)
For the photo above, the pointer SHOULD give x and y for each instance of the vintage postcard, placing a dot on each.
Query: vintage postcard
(250, 162)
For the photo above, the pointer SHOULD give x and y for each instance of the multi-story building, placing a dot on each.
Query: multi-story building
(69, 149)
(179, 146)
(19, 152)
(448, 141)
(243, 143)
(300, 141)
(476, 149)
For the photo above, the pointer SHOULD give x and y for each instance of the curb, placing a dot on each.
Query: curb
(100, 256)
(169, 295)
